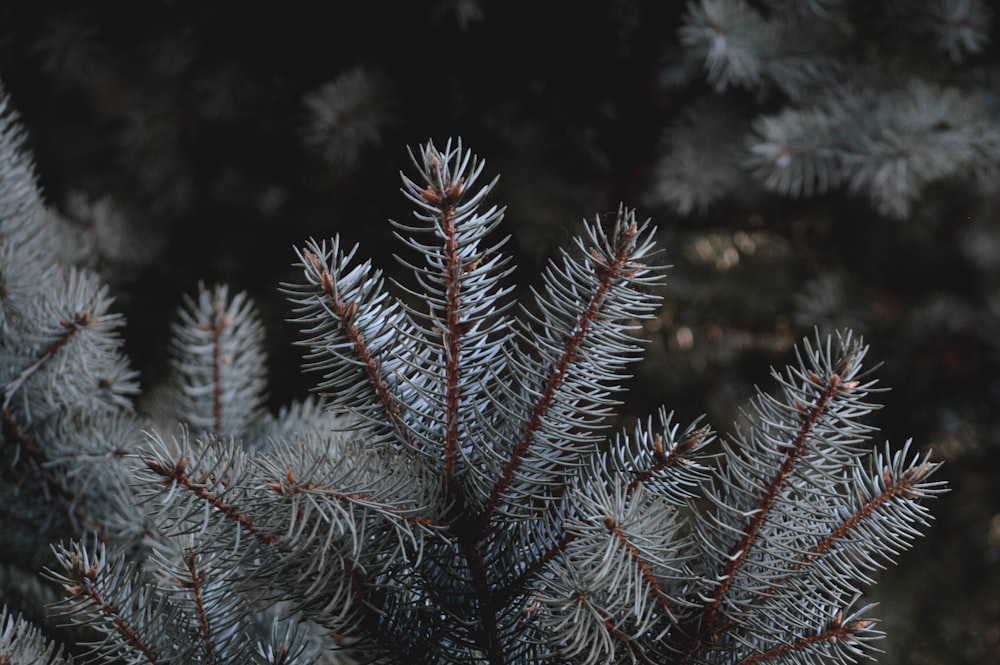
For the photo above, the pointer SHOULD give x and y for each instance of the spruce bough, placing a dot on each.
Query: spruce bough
(452, 495)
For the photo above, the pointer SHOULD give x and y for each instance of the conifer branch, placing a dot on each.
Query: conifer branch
(460, 501)
(195, 584)
(610, 269)
(459, 279)
(23, 643)
(174, 474)
(346, 311)
(644, 567)
(828, 389)
(834, 633)
(900, 487)
(662, 460)
(908, 486)
(85, 587)
(216, 329)
(70, 329)
(218, 362)
(290, 486)
(443, 194)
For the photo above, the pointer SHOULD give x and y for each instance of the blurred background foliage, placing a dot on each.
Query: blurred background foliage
(810, 165)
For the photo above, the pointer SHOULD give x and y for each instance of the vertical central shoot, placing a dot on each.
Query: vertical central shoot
(443, 193)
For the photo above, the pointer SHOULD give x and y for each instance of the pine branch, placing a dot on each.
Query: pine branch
(175, 474)
(460, 283)
(962, 27)
(588, 307)
(442, 195)
(668, 473)
(23, 644)
(644, 567)
(677, 464)
(802, 476)
(731, 37)
(351, 322)
(73, 328)
(829, 387)
(799, 152)
(70, 329)
(839, 636)
(881, 494)
(108, 595)
(218, 361)
(703, 159)
(453, 496)
(570, 351)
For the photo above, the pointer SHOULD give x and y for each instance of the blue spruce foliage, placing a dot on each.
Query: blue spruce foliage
(455, 491)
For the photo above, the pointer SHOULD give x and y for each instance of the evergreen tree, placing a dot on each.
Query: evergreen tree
(452, 494)
(829, 119)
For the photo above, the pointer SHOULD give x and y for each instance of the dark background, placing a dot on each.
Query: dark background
(191, 120)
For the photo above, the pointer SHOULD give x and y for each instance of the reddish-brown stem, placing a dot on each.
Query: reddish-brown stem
(663, 460)
(454, 342)
(86, 586)
(70, 330)
(836, 631)
(608, 274)
(901, 487)
(491, 641)
(644, 568)
(194, 582)
(217, 328)
(445, 199)
(345, 312)
(177, 473)
(712, 618)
